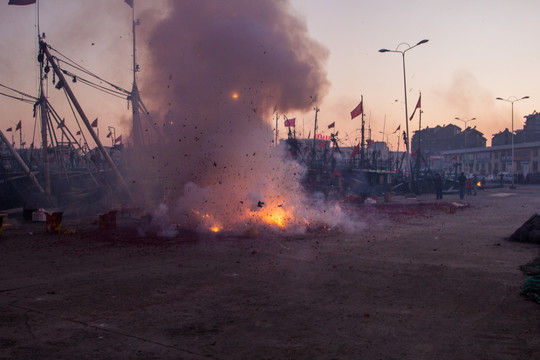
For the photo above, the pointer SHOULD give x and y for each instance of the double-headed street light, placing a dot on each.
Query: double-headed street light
(402, 52)
(512, 100)
(465, 121)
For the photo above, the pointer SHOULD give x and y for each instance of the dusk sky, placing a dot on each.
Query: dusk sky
(477, 51)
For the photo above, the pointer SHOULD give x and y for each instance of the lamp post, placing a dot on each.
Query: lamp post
(402, 52)
(512, 100)
(465, 141)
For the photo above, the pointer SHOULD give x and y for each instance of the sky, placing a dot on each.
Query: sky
(477, 51)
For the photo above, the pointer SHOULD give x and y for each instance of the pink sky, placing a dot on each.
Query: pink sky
(477, 51)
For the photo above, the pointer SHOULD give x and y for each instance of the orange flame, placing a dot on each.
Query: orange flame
(273, 215)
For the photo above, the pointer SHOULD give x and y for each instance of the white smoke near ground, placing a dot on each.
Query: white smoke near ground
(217, 71)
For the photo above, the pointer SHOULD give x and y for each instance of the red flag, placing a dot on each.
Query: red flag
(398, 128)
(332, 125)
(357, 110)
(61, 124)
(94, 123)
(118, 139)
(418, 106)
(78, 132)
(129, 2)
(9, 129)
(370, 142)
(290, 122)
(109, 134)
(355, 151)
(21, 2)
(18, 126)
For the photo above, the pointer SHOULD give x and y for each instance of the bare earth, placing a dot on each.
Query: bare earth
(419, 282)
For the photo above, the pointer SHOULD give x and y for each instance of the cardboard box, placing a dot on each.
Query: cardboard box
(39, 216)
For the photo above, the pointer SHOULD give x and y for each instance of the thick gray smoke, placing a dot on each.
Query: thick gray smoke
(217, 71)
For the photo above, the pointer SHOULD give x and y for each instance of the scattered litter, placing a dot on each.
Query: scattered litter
(54, 222)
(107, 221)
(39, 215)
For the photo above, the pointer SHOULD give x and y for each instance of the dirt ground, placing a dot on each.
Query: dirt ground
(419, 282)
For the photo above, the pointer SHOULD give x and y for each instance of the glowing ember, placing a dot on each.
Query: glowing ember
(235, 95)
(277, 216)
(209, 222)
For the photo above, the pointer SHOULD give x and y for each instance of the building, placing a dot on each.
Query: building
(502, 138)
(532, 127)
(447, 137)
(434, 140)
(494, 160)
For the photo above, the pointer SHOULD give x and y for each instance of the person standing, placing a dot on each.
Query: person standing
(438, 186)
(469, 186)
(462, 181)
(474, 183)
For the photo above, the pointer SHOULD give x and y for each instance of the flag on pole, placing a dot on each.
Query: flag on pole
(355, 151)
(398, 128)
(61, 124)
(118, 139)
(358, 110)
(18, 126)
(94, 123)
(332, 125)
(21, 2)
(418, 106)
(9, 129)
(129, 2)
(78, 132)
(290, 122)
(109, 134)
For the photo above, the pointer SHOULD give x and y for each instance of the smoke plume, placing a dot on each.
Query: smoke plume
(216, 72)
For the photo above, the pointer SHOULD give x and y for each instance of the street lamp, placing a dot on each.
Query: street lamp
(402, 52)
(465, 121)
(512, 100)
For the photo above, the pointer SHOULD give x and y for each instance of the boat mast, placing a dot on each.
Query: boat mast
(44, 50)
(43, 109)
(362, 142)
(21, 162)
(136, 131)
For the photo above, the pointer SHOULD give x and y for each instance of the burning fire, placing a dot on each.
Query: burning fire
(209, 222)
(273, 216)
